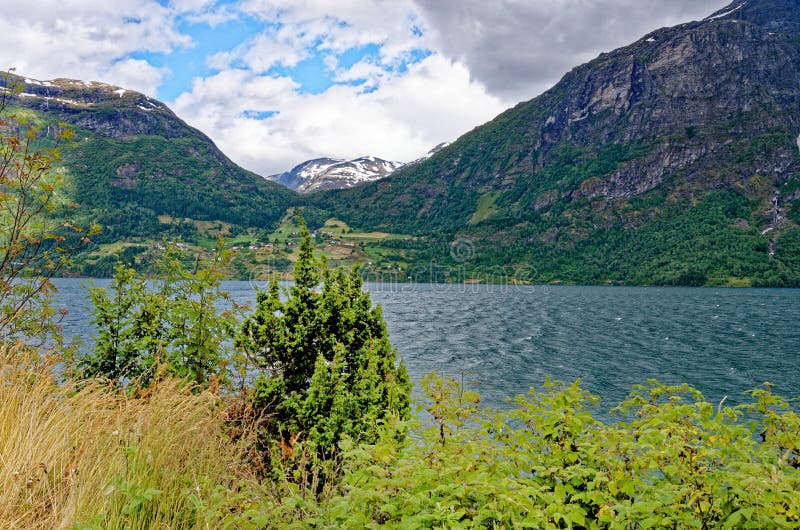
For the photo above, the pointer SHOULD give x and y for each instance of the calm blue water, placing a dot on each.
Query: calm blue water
(509, 338)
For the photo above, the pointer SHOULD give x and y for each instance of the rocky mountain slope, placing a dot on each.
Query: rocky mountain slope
(327, 173)
(101, 108)
(672, 160)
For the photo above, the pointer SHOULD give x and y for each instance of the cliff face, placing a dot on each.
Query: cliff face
(113, 111)
(687, 92)
(637, 138)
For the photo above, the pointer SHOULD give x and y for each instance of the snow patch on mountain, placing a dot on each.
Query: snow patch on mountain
(29, 81)
(726, 13)
(430, 153)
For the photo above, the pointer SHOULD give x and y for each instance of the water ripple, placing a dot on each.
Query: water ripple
(721, 341)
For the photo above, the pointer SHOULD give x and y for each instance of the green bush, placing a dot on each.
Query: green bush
(329, 368)
(172, 323)
(672, 460)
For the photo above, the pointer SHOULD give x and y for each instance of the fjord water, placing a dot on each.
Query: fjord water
(721, 341)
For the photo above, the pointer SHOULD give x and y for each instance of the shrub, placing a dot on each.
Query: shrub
(329, 369)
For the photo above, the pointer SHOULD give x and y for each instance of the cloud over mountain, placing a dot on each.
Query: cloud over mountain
(274, 82)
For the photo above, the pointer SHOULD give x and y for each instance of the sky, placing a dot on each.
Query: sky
(278, 82)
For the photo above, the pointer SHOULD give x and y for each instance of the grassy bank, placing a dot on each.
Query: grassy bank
(90, 456)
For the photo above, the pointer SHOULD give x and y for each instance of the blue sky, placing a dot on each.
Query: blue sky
(184, 64)
(312, 74)
(276, 82)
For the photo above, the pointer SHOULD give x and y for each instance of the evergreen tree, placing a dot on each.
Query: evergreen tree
(329, 368)
(172, 323)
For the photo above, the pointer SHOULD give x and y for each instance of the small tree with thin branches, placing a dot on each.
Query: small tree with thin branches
(35, 243)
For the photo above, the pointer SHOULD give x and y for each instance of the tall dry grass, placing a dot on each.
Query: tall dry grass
(90, 456)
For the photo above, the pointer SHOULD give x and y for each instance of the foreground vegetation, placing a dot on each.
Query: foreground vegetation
(92, 456)
(155, 429)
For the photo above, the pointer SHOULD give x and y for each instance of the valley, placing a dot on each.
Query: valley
(671, 161)
(550, 320)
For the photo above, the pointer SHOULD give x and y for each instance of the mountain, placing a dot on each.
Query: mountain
(674, 160)
(141, 172)
(322, 174)
(328, 173)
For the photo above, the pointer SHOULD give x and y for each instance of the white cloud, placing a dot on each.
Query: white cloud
(192, 5)
(87, 39)
(135, 74)
(433, 102)
(285, 48)
(395, 116)
(295, 26)
(366, 71)
(205, 12)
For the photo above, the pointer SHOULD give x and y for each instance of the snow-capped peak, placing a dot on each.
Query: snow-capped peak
(331, 173)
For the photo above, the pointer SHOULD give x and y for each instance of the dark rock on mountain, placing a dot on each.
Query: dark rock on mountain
(99, 107)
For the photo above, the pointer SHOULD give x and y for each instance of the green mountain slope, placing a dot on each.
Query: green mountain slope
(142, 173)
(675, 160)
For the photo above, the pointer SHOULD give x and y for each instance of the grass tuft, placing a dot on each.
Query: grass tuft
(90, 456)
